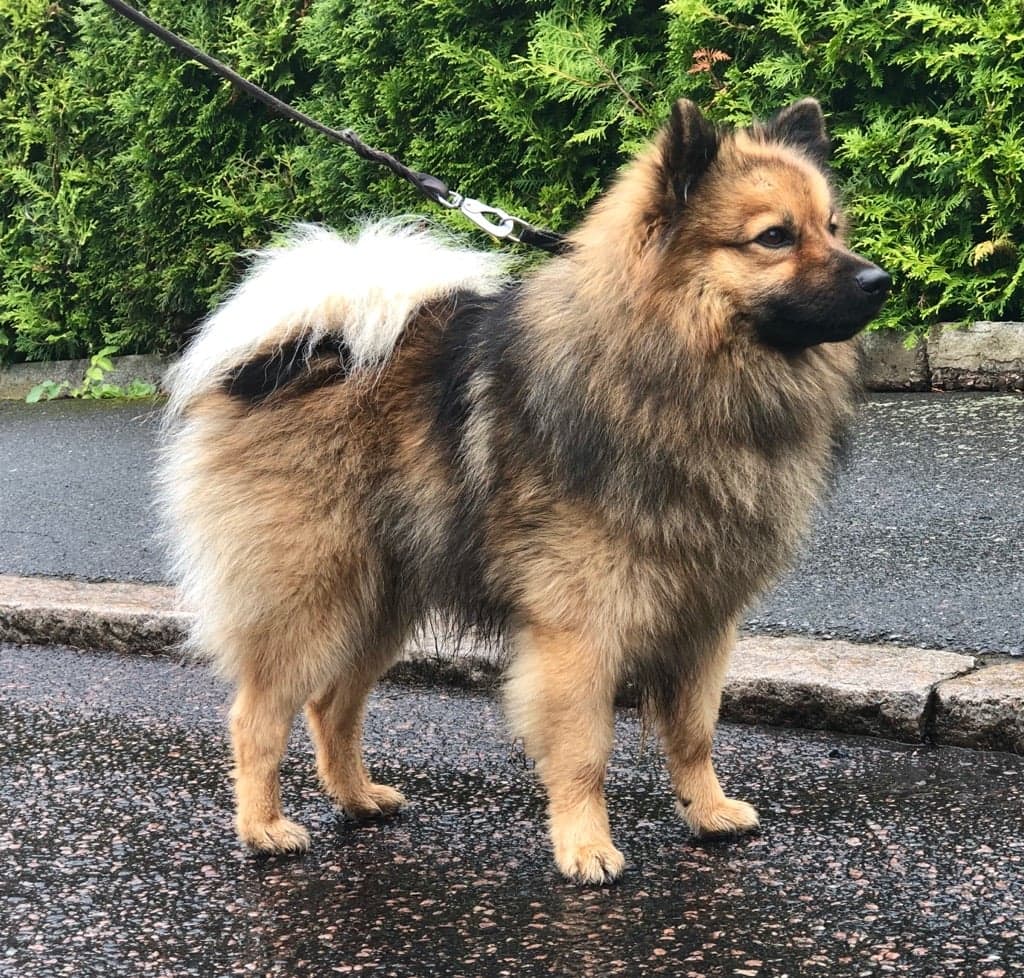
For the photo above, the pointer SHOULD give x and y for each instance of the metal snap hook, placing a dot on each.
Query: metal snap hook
(493, 220)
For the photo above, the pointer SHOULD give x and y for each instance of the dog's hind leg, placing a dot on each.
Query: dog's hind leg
(261, 719)
(281, 660)
(560, 699)
(686, 719)
(335, 719)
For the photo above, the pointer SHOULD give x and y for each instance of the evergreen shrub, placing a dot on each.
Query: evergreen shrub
(130, 181)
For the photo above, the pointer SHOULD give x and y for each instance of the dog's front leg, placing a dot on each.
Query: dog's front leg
(687, 715)
(560, 699)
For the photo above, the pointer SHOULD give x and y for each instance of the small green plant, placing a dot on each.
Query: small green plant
(93, 386)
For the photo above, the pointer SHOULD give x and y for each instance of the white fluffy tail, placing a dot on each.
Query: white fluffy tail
(318, 283)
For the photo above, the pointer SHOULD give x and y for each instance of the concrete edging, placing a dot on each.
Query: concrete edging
(18, 379)
(984, 356)
(907, 694)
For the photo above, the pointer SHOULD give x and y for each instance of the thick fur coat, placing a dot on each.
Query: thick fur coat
(605, 462)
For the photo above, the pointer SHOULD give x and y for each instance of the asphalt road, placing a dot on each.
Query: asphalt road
(117, 855)
(921, 543)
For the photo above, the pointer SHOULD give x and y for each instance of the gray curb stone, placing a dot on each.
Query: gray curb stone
(905, 694)
(878, 690)
(984, 356)
(17, 380)
(888, 365)
(983, 709)
(118, 617)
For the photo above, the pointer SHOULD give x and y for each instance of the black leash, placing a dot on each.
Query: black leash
(493, 220)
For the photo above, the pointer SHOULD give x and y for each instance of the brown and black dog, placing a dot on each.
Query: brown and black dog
(604, 463)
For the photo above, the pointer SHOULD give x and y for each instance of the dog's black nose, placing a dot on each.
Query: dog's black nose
(874, 280)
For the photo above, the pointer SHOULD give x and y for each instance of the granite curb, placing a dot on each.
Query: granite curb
(906, 694)
(981, 356)
(18, 379)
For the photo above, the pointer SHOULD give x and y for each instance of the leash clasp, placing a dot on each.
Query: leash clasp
(493, 220)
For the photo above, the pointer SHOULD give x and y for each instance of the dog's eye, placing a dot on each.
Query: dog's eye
(776, 237)
(833, 227)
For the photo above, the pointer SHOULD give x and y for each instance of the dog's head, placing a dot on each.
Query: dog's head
(750, 217)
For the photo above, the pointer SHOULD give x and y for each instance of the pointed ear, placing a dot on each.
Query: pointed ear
(689, 145)
(802, 125)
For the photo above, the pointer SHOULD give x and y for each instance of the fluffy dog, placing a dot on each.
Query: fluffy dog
(605, 463)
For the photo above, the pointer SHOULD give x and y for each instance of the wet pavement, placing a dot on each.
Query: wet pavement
(117, 856)
(921, 543)
(76, 490)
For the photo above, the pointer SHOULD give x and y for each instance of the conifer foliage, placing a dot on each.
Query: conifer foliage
(130, 180)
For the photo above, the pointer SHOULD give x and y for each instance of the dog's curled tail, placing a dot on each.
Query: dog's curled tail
(318, 283)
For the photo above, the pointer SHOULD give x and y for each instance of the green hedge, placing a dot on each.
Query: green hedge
(130, 180)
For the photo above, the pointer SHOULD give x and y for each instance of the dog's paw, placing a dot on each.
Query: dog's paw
(596, 863)
(728, 817)
(278, 836)
(373, 801)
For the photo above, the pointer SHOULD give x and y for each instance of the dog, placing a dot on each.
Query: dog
(604, 463)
